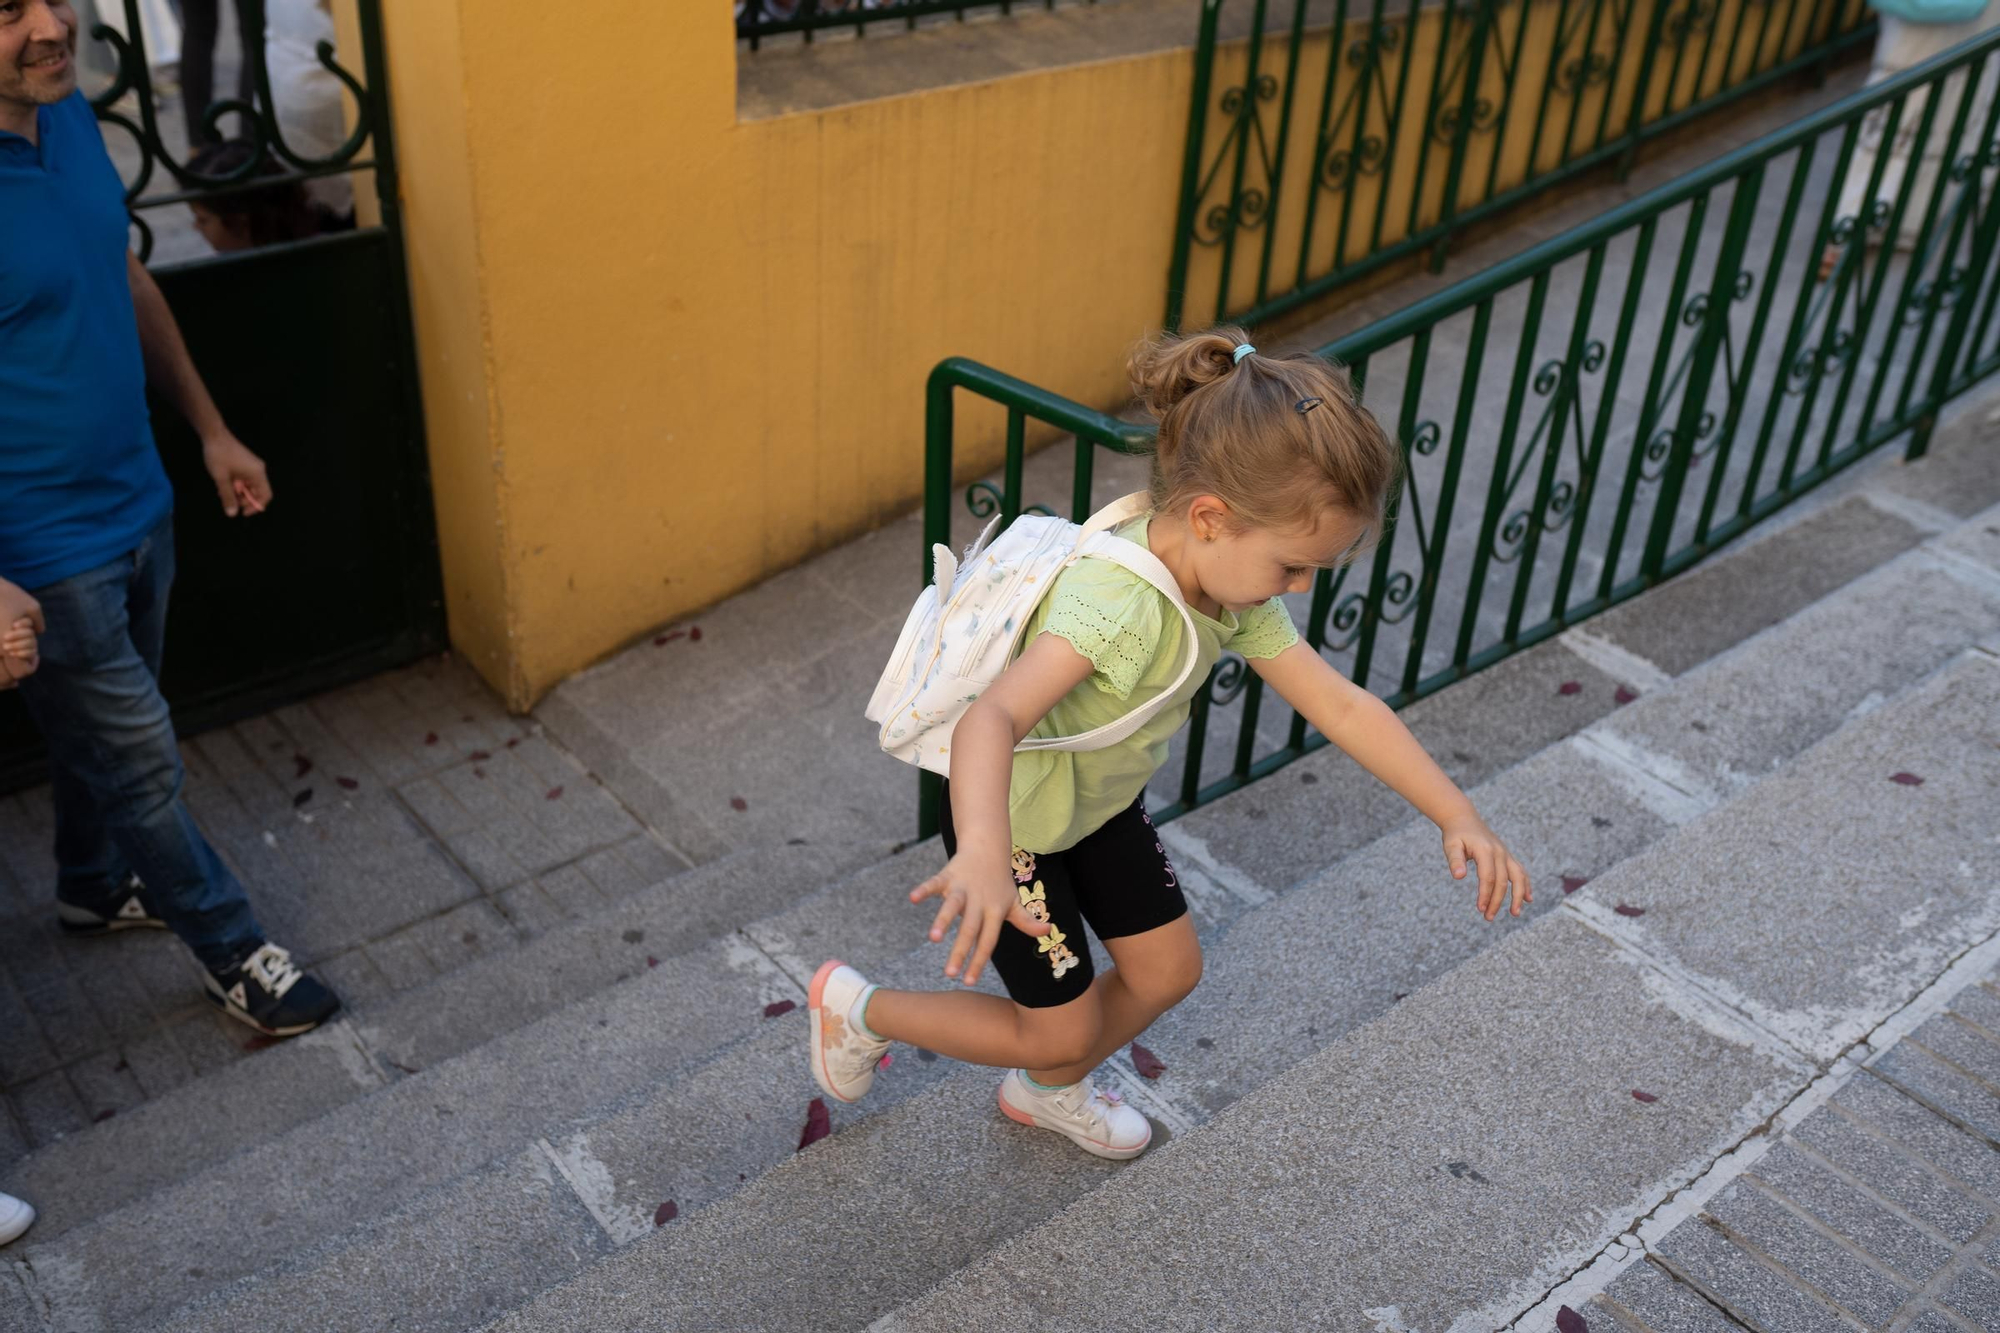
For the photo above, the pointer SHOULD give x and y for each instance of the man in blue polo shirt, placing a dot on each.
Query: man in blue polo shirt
(86, 533)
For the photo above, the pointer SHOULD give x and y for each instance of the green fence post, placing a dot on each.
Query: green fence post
(1197, 131)
(1716, 303)
(1976, 271)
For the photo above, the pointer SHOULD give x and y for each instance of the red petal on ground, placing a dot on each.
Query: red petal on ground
(652, 961)
(121, 1066)
(778, 1007)
(513, 741)
(555, 793)
(694, 635)
(430, 738)
(478, 772)
(1907, 779)
(1640, 1095)
(1148, 1064)
(665, 639)
(818, 1124)
(347, 784)
(1570, 687)
(103, 1115)
(1571, 883)
(302, 798)
(479, 756)
(1569, 1321)
(665, 1213)
(301, 765)
(886, 1060)
(737, 803)
(1626, 909)
(1625, 695)
(259, 1042)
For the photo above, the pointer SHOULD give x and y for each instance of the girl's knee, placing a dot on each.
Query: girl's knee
(1171, 981)
(1064, 1035)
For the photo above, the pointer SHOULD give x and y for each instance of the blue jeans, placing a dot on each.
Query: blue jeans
(115, 765)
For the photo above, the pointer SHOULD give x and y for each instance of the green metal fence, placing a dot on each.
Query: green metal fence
(758, 19)
(1347, 136)
(1610, 407)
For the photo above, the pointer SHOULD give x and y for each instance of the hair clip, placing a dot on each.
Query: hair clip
(1305, 405)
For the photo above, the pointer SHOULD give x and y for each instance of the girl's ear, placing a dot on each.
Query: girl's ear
(1209, 517)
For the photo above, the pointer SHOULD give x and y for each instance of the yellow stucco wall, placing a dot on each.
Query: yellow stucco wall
(666, 354)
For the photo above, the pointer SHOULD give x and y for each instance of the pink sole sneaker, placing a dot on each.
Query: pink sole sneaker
(843, 1060)
(1097, 1122)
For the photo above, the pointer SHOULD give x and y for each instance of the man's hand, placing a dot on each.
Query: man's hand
(18, 611)
(239, 476)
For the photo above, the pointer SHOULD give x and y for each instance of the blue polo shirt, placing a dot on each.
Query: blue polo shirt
(80, 481)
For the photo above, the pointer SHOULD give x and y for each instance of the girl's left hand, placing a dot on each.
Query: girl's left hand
(1470, 840)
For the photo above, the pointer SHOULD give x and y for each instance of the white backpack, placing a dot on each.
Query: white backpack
(962, 632)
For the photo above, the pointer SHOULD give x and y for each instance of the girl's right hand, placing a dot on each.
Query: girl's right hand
(983, 893)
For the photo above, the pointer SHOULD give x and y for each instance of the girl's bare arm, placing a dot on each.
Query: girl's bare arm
(1374, 737)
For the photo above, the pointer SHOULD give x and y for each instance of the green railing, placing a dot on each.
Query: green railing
(1346, 137)
(1603, 411)
(758, 19)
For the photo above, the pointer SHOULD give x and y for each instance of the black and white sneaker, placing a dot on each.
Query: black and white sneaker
(268, 992)
(123, 908)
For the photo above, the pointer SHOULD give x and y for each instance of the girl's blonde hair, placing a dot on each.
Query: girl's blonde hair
(1276, 438)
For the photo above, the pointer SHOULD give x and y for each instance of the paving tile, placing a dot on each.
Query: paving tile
(1975, 1293)
(1663, 1303)
(528, 910)
(48, 1107)
(66, 1019)
(440, 811)
(23, 1051)
(1961, 1044)
(1823, 1263)
(1900, 1246)
(353, 977)
(1979, 1005)
(1890, 1173)
(572, 891)
(157, 1062)
(1966, 1100)
(470, 931)
(401, 960)
(1744, 1286)
(105, 1083)
(1930, 1321)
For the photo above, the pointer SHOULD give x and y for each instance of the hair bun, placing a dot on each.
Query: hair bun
(1168, 368)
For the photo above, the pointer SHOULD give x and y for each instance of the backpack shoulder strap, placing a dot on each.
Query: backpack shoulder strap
(1098, 542)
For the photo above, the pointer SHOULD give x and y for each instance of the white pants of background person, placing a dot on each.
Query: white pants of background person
(308, 99)
(157, 20)
(1902, 45)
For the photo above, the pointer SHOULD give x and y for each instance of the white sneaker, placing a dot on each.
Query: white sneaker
(843, 1058)
(1099, 1121)
(15, 1217)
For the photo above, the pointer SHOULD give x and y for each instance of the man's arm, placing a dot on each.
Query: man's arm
(170, 370)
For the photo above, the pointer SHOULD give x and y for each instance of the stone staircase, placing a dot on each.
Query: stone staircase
(1374, 1100)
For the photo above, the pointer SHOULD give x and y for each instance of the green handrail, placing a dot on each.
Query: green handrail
(1480, 102)
(1542, 488)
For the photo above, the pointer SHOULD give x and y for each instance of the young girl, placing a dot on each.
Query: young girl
(1266, 471)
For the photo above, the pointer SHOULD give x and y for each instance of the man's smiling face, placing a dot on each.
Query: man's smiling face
(37, 54)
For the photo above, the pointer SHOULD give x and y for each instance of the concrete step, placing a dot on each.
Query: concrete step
(1344, 949)
(241, 1104)
(1446, 1166)
(1378, 947)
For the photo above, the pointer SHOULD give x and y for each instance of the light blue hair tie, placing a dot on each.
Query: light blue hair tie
(1242, 350)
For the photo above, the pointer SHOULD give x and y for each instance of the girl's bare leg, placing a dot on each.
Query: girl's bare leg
(1155, 972)
(986, 1029)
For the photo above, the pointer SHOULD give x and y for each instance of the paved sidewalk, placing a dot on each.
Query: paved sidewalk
(1877, 1208)
(388, 832)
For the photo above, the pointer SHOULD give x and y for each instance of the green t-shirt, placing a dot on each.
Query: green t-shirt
(1133, 636)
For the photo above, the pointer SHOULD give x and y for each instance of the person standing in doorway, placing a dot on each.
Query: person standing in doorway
(201, 24)
(86, 534)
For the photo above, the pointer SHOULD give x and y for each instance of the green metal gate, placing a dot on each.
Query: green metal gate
(308, 350)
